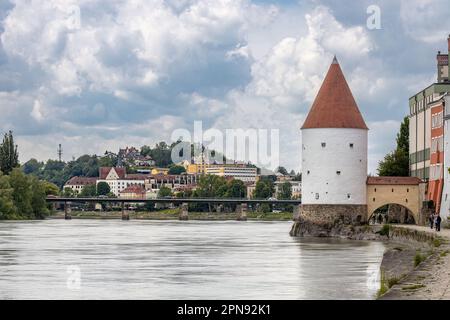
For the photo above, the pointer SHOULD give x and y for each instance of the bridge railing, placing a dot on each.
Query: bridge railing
(241, 208)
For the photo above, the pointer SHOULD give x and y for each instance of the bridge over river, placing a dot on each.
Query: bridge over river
(241, 208)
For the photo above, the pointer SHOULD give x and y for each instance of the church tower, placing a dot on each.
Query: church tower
(334, 156)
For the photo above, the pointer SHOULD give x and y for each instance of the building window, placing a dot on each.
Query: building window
(317, 196)
(324, 144)
(375, 189)
(349, 195)
(407, 189)
(351, 145)
(373, 199)
(406, 200)
(338, 173)
(392, 189)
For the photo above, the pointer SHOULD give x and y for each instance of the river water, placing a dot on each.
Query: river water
(113, 259)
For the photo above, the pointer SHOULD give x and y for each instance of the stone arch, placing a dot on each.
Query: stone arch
(403, 216)
(403, 191)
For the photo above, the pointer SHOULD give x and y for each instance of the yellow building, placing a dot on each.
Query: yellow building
(156, 171)
(196, 168)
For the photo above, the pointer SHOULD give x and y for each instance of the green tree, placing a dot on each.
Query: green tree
(50, 188)
(103, 188)
(37, 201)
(9, 157)
(164, 192)
(68, 192)
(161, 153)
(396, 163)
(89, 191)
(282, 170)
(32, 166)
(236, 189)
(208, 186)
(285, 191)
(175, 169)
(7, 208)
(264, 189)
(22, 193)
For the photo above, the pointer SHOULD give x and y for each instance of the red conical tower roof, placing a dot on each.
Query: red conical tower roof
(334, 106)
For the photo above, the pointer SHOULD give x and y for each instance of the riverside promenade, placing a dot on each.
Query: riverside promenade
(431, 278)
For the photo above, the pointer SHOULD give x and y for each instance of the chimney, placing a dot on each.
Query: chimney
(448, 40)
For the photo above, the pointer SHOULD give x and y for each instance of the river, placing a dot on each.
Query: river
(113, 259)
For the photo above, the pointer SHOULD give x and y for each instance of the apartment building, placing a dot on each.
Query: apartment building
(426, 131)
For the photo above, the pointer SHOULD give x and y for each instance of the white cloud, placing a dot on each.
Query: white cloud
(133, 71)
(36, 113)
(286, 80)
(425, 20)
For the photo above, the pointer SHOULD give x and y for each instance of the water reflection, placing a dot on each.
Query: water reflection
(181, 260)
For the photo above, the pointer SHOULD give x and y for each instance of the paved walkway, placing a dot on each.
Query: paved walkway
(431, 279)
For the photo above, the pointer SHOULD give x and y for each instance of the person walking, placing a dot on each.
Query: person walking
(437, 222)
(431, 220)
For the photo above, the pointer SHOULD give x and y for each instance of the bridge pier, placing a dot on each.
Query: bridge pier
(125, 214)
(67, 211)
(296, 213)
(241, 210)
(184, 212)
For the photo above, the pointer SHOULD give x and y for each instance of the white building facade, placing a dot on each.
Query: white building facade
(245, 174)
(445, 202)
(334, 166)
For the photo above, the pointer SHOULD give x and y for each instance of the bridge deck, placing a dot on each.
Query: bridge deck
(173, 200)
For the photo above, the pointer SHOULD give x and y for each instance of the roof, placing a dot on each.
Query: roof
(137, 176)
(105, 170)
(133, 189)
(393, 180)
(83, 181)
(334, 106)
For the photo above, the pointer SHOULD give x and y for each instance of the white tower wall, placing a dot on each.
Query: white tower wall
(334, 173)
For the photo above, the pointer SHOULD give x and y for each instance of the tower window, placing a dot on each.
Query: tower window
(349, 195)
(317, 196)
(307, 172)
(406, 200)
(407, 189)
(351, 145)
(338, 173)
(373, 199)
(392, 189)
(375, 189)
(324, 144)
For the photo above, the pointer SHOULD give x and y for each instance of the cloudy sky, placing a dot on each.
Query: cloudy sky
(96, 74)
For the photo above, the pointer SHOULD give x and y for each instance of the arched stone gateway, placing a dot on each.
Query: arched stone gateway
(392, 213)
(404, 191)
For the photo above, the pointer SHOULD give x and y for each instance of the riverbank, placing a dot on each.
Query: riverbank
(173, 214)
(415, 264)
(426, 276)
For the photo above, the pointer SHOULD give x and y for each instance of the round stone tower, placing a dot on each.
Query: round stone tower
(334, 156)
